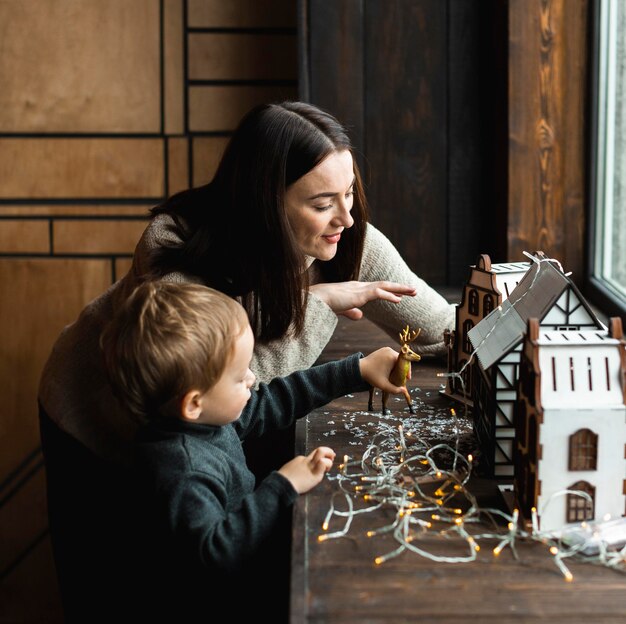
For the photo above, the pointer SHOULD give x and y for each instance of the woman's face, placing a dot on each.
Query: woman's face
(318, 205)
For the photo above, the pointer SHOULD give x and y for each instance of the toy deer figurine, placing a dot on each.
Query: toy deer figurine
(401, 371)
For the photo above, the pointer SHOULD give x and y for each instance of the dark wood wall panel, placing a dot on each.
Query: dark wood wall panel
(405, 128)
(384, 68)
(332, 61)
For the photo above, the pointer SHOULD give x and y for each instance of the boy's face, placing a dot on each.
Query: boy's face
(224, 402)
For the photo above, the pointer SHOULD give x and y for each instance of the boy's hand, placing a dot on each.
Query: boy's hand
(305, 473)
(376, 368)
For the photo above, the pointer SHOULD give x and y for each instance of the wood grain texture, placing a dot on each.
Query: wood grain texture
(71, 66)
(177, 164)
(547, 87)
(31, 316)
(220, 108)
(94, 237)
(241, 13)
(333, 36)
(405, 103)
(216, 56)
(173, 67)
(92, 210)
(19, 236)
(81, 168)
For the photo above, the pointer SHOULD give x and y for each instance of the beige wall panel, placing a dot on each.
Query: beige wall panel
(173, 68)
(122, 266)
(96, 210)
(30, 594)
(96, 236)
(23, 517)
(242, 57)
(178, 164)
(242, 13)
(207, 152)
(221, 108)
(37, 299)
(27, 236)
(81, 168)
(67, 65)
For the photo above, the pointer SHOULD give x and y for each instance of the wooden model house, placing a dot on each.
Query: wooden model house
(487, 287)
(547, 294)
(571, 425)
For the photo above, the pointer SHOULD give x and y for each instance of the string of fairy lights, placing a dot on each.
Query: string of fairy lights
(427, 488)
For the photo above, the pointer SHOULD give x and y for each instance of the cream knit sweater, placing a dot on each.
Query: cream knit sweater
(74, 389)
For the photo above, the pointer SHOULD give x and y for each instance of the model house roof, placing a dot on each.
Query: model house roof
(545, 293)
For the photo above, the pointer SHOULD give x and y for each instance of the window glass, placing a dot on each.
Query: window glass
(608, 264)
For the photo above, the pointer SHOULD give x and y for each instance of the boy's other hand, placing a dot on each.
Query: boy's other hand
(376, 368)
(305, 472)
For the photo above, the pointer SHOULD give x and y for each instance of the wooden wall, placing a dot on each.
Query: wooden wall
(471, 119)
(106, 107)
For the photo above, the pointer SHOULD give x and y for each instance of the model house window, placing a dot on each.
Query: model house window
(607, 269)
(487, 304)
(583, 450)
(467, 345)
(579, 508)
(473, 302)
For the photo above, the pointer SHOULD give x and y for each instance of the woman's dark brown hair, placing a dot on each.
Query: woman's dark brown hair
(236, 235)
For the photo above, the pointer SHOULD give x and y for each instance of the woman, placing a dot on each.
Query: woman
(283, 228)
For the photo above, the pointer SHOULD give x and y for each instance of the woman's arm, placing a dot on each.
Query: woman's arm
(427, 309)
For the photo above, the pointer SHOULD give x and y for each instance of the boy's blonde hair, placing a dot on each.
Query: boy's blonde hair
(167, 339)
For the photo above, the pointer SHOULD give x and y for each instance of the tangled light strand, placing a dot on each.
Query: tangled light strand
(399, 475)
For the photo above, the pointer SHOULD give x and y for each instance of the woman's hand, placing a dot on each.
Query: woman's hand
(346, 298)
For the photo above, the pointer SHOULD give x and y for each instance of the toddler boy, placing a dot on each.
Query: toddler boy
(178, 355)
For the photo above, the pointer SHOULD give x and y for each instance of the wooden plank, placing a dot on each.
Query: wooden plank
(91, 210)
(406, 125)
(333, 47)
(217, 56)
(66, 66)
(177, 164)
(96, 237)
(207, 152)
(81, 168)
(31, 316)
(220, 108)
(473, 95)
(547, 89)
(241, 14)
(173, 67)
(24, 236)
(122, 266)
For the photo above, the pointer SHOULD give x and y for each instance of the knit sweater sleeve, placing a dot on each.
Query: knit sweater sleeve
(277, 404)
(427, 310)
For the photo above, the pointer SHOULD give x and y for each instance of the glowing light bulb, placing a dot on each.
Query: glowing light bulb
(378, 560)
(321, 538)
(470, 458)
(497, 550)
(325, 526)
(569, 577)
(553, 550)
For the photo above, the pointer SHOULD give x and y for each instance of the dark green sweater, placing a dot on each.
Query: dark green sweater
(205, 496)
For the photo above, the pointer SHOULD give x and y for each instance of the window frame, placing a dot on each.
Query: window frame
(597, 289)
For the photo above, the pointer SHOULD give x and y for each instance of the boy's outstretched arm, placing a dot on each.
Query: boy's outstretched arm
(305, 472)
